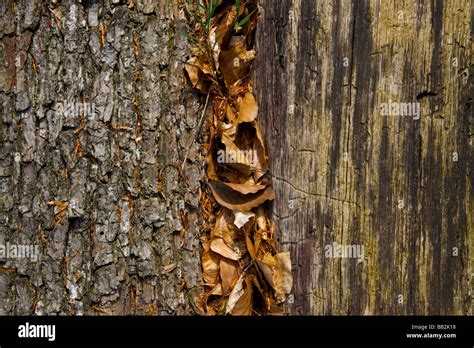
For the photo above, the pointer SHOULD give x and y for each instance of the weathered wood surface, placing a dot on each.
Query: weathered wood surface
(108, 255)
(343, 173)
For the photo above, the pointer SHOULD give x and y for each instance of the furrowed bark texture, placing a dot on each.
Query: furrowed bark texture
(128, 241)
(402, 188)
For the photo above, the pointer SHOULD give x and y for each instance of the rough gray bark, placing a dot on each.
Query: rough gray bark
(128, 243)
(343, 173)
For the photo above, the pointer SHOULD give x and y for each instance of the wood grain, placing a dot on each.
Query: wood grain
(344, 173)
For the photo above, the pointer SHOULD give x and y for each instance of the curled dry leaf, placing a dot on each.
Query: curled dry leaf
(243, 305)
(224, 28)
(246, 188)
(228, 129)
(235, 295)
(259, 148)
(226, 196)
(240, 299)
(242, 217)
(234, 152)
(269, 302)
(216, 290)
(248, 108)
(262, 220)
(221, 228)
(198, 72)
(235, 60)
(221, 239)
(219, 246)
(229, 272)
(248, 139)
(229, 113)
(210, 267)
(277, 271)
(213, 40)
(211, 165)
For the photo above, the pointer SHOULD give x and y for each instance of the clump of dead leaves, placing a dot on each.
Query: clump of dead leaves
(243, 271)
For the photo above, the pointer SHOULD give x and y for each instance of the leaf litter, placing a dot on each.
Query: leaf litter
(243, 271)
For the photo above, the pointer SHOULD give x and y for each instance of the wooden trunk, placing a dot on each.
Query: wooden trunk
(118, 224)
(344, 173)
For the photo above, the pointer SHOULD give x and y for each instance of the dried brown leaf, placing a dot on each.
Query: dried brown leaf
(230, 114)
(216, 290)
(219, 246)
(259, 147)
(246, 188)
(232, 199)
(277, 272)
(241, 218)
(250, 247)
(235, 61)
(210, 267)
(248, 108)
(240, 299)
(225, 26)
(198, 72)
(221, 229)
(237, 155)
(229, 271)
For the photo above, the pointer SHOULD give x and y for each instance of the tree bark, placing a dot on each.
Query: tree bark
(128, 241)
(117, 221)
(402, 188)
